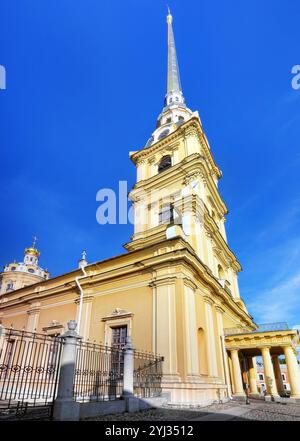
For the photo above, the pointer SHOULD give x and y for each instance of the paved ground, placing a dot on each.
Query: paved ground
(234, 411)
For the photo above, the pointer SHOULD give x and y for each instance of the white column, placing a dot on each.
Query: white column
(252, 375)
(269, 372)
(278, 375)
(65, 408)
(237, 374)
(293, 370)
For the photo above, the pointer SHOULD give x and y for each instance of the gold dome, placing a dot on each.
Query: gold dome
(32, 251)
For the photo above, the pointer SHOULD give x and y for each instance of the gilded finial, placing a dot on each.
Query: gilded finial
(32, 250)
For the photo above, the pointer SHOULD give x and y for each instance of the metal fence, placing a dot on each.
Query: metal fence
(29, 367)
(147, 374)
(98, 373)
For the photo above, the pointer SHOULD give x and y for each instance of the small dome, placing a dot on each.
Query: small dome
(32, 251)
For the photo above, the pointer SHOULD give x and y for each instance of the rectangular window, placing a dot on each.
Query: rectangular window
(261, 377)
(118, 341)
(166, 214)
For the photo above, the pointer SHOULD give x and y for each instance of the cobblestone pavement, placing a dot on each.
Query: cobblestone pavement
(234, 411)
(273, 412)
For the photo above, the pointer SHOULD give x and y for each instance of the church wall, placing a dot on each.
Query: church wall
(16, 319)
(60, 313)
(137, 301)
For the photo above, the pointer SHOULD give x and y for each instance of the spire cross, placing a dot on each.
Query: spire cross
(34, 241)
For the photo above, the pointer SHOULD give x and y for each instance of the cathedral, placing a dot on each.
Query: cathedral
(175, 289)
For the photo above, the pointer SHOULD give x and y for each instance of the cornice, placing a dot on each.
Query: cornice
(192, 165)
(182, 253)
(189, 283)
(169, 280)
(191, 128)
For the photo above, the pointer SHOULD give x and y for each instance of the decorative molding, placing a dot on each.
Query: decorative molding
(161, 282)
(117, 314)
(218, 308)
(86, 299)
(189, 283)
(53, 326)
(208, 299)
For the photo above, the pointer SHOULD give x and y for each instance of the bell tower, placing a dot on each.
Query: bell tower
(176, 193)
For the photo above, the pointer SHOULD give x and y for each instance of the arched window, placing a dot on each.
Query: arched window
(9, 286)
(221, 273)
(164, 134)
(166, 162)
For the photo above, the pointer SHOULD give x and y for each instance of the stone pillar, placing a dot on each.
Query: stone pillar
(278, 376)
(221, 352)
(164, 337)
(132, 403)
(190, 331)
(237, 374)
(230, 372)
(33, 317)
(269, 373)
(65, 407)
(252, 376)
(293, 370)
(210, 338)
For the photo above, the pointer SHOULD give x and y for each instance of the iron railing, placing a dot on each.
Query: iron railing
(98, 373)
(29, 367)
(147, 374)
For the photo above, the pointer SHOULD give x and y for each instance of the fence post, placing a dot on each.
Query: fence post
(65, 407)
(132, 403)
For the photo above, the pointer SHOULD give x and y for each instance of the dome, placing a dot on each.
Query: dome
(32, 251)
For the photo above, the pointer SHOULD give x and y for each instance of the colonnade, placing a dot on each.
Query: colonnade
(274, 383)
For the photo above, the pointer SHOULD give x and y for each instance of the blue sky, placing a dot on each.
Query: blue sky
(85, 83)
